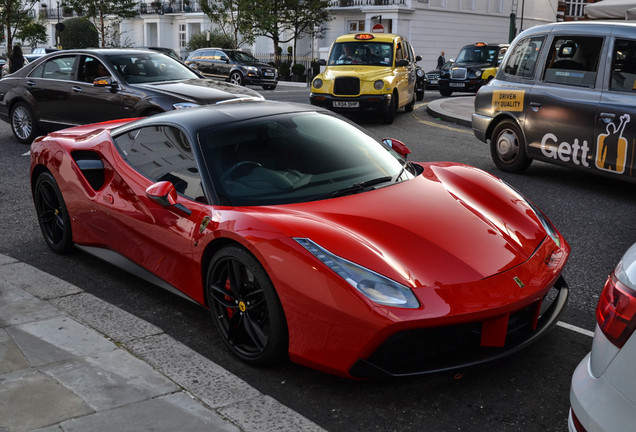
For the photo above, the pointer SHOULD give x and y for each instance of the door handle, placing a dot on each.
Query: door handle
(31, 83)
(534, 106)
(607, 117)
(77, 89)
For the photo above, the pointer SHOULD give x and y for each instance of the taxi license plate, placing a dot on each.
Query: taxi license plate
(456, 84)
(269, 74)
(346, 104)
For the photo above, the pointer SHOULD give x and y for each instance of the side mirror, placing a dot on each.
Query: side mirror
(398, 146)
(105, 81)
(193, 66)
(321, 62)
(164, 194)
(402, 63)
(418, 58)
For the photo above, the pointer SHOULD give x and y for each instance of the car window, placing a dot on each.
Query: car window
(162, 153)
(573, 60)
(362, 52)
(624, 66)
(219, 56)
(60, 68)
(523, 57)
(242, 57)
(91, 68)
(151, 67)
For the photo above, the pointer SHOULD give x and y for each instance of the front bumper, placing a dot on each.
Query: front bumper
(469, 85)
(429, 350)
(365, 103)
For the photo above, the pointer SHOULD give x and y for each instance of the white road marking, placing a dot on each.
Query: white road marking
(575, 329)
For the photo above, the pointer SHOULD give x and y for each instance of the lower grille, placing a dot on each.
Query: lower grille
(347, 86)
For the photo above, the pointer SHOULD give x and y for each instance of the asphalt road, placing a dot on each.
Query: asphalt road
(525, 392)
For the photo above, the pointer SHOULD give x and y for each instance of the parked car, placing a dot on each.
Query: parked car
(368, 73)
(167, 51)
(474, 67)
(603, 392)
(235, 66)
(432, 76)
(43, 51)
(564, 95)
(281, 219)
(62, 89)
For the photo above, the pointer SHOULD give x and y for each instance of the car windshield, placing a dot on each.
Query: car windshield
(478, 54)
(295, 157)
(362, 53)
(242, 57)
(139, 67)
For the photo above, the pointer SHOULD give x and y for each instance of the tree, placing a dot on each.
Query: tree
(97, 10)
(217, 39)
(15, 14)
(230, 16)
(307, 17)
(34, 33)
(78, 33)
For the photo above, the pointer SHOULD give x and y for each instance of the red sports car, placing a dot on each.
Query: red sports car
(306, 237)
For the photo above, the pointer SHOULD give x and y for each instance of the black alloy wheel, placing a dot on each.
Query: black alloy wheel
(245, 308)
(53, 217)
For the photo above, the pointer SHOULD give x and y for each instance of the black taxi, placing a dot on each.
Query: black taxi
(474, 67)
(565, 94)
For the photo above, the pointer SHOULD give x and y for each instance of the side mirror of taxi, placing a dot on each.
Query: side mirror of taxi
(418, 58)
(396, 145)
(164, 194)
(402, 63)
(321, 62)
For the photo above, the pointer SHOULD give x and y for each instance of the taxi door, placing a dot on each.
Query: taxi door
(406, 75)
(561, 106)
(615, 127)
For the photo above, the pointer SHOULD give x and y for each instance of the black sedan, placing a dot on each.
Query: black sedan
(235, 66)
(76, 87)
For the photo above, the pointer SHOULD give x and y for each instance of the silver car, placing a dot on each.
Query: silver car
(603, 392)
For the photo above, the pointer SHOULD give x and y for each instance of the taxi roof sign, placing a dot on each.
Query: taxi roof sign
(364, 36)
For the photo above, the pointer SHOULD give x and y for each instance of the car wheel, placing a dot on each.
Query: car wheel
(23, 123)
(245, 308)
(420, 94)
(508, 149)
(52, 214)
(390, 112)
(409, 107)
(269, 87)
(236, 78)
(445, 92)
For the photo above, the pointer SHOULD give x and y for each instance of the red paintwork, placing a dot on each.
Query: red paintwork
(456, 235)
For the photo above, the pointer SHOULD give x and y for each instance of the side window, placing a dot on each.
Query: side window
(624, 66)
(399, 52)
(523, 57)
(573, 60)
(59, 68)
(91, 68)
(163, 153)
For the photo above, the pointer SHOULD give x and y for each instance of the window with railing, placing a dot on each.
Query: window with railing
(575, 8)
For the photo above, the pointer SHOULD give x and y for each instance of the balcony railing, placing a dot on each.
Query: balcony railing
(360, 3)
(150, 7)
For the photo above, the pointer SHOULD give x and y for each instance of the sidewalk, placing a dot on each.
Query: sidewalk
(72, 362)
(455, 109)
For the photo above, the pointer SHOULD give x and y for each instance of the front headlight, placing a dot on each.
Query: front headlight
(378, 85)
(374, 286)
(251, 69)
(317, 83)
(420, 73)
(478, 73)
(183, 105)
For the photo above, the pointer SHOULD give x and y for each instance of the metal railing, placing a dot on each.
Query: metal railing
(360, 3)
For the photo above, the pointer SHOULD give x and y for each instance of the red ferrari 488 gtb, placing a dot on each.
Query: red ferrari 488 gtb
(306, 237)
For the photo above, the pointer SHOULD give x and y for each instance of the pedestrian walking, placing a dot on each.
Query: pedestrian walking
(16, 59)
(441, 60)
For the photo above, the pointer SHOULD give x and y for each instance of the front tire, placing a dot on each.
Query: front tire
(53, 216)
(236, 78)
(245, 307)
(23, 123)
(445, 92)
(508, 148)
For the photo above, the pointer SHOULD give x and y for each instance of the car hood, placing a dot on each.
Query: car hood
(202, 90)
(365, 73)
(471, 65)
(258, 65)
(452, 224)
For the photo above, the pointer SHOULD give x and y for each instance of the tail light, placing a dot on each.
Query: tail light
(616, 311)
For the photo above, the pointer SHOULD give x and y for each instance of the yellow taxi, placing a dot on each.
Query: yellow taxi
(367, 73)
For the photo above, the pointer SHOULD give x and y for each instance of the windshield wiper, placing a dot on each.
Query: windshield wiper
(357, 187)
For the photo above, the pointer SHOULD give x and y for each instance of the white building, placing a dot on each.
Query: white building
(430, 25)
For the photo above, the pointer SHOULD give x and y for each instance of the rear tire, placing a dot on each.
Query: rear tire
(508, 148)
(53, 216)
(390, 113)
(409, 107)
